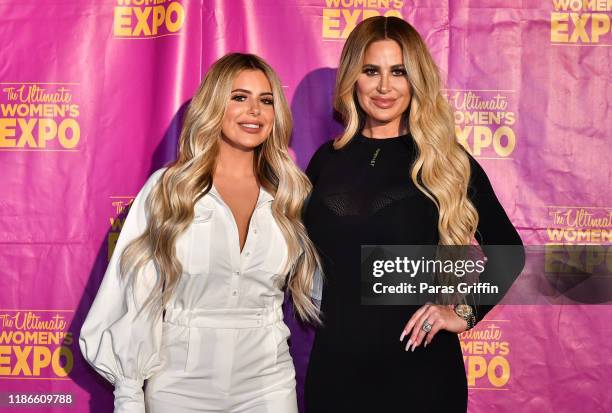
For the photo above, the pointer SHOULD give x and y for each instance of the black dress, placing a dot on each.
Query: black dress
(363, 194)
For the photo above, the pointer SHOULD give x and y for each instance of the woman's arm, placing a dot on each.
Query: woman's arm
(119, 343)
(502, 267)
(494, 228)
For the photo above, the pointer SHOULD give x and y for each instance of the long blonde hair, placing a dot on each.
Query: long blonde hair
(442, 168)
(171, 202)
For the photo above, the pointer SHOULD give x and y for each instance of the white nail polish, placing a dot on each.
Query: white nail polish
(408, 344)
(402, 336)
(425, 345)
(413, 347)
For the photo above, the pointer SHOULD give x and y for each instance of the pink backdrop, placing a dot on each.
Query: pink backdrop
(91, 98)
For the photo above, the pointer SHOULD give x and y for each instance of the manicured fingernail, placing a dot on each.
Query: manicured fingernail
(425, 345)
(402, 336)
(413, 347)
(408, 344)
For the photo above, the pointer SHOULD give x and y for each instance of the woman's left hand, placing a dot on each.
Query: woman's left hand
(441, 317)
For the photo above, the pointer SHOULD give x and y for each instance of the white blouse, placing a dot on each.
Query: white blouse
(125, 348)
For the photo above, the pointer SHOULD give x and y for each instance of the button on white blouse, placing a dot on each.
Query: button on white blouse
(224, 296)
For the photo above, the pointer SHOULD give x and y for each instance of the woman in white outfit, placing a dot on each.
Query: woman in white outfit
(190, 305)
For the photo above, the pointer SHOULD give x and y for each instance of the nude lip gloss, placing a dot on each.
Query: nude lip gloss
(383, 103)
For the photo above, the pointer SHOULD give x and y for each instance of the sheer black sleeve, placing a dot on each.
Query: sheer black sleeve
(494, 228)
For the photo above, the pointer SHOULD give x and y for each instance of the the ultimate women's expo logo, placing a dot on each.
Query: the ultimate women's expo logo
(485, 121)
(341, 16)
(485, 354)
(147, 18)
(39, 117)
(35, 344)
(581, 22)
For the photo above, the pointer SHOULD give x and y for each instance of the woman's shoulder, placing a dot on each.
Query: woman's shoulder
(151, 181)
(319, 159)
(326, 149)
(156, 176)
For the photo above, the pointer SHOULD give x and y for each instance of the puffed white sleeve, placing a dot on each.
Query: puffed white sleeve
(120, 344)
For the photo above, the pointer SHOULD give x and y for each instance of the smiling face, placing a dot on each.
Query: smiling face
(249, 115)
(382, 87)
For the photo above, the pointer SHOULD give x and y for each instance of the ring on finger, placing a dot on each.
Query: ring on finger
(426, 327)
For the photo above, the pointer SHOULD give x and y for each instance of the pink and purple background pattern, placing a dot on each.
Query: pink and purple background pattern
(91, 99)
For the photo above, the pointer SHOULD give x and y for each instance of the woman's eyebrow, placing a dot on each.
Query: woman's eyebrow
(250, 93)
(396, 66)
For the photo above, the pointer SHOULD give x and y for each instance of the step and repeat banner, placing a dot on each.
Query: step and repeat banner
(92, 95)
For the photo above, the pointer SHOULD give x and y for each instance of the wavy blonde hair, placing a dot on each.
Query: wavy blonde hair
(442, 168)
(171, 202)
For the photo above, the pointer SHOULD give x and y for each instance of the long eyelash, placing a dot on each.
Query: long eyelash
(368, 70)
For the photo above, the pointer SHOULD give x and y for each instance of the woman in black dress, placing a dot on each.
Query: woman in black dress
(397, 176)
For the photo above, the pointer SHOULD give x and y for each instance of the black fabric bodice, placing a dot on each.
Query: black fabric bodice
(363, 194)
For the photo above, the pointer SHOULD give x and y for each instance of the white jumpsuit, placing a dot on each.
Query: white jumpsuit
(222, 344)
